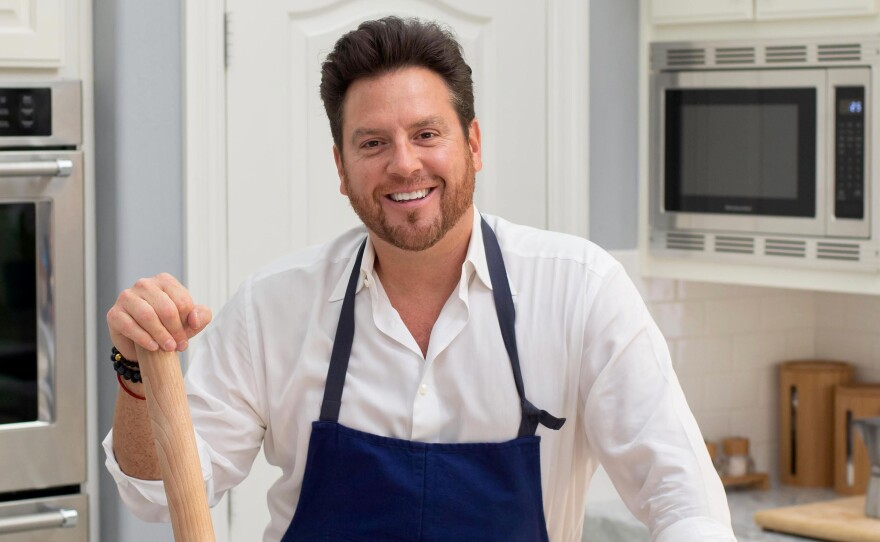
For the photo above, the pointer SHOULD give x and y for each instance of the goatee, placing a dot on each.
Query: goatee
(456, 199)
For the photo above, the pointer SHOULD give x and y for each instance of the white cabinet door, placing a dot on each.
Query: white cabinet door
(283, 188)
(695, 11)
(31, 33)
(283, 191)
(796, 9)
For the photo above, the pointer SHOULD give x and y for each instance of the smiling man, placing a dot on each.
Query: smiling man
(448, 331)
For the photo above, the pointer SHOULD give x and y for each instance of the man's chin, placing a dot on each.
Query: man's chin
(412, 239)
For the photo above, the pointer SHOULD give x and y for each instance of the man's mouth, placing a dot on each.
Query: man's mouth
(409, 196)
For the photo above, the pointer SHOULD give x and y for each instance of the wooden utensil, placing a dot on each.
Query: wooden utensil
(840, 520)
(176, 446)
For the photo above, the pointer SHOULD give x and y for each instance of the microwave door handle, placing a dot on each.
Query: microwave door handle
(42, 168)
(44, 520)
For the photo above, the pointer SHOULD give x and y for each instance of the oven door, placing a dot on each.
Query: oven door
(739, 151)
(42, 321)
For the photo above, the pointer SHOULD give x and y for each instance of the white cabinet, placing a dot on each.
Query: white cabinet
(696, 11)
(31, 33)
(797, 9)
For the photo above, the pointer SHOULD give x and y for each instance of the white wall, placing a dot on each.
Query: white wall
(139, 187)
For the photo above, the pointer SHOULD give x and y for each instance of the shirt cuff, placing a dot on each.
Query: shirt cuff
(696, 529)
(146, 498)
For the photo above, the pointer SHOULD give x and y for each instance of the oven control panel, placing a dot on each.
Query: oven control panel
(25, 112)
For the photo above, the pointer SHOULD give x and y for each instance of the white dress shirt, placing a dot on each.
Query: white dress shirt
(589, 350)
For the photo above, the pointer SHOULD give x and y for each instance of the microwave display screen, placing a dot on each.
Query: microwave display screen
(18, 313)
(849, 107)
(741, 151)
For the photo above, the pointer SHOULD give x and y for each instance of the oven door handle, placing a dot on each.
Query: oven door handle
(42, 168)
(45, 520)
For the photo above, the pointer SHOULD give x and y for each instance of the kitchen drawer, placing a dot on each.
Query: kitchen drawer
(49, 508)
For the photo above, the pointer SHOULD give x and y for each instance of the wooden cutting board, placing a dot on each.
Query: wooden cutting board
(840, 520)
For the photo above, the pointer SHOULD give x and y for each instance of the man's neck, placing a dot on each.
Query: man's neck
(434, 270)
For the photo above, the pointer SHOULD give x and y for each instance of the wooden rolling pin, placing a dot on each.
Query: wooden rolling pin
(176, 446)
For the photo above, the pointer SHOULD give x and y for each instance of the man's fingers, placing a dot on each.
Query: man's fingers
(157, 312)
(125, 332)
(200, 317)
(154, 311)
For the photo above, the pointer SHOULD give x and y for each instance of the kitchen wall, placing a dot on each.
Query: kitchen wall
(848, 329)
(614, 64)
(138, 127)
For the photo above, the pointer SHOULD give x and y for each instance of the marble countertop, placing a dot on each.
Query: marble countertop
(612, 522)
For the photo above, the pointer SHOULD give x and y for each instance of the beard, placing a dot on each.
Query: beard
(415, 235)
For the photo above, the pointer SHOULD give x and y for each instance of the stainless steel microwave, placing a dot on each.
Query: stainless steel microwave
(763, 151)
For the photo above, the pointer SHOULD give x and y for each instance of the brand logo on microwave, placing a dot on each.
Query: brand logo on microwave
(738, 208)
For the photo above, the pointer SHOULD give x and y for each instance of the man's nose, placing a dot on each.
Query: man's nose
(404, 160)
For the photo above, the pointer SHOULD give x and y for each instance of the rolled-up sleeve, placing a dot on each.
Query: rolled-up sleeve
(638, 423)
(223, 390)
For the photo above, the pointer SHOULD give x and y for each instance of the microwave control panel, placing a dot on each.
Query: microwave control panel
(849, 153)
(25, 112)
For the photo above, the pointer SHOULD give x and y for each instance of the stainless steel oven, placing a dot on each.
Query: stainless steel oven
(42, 314)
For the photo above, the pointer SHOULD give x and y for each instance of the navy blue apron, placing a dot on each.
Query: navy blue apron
(360, 487)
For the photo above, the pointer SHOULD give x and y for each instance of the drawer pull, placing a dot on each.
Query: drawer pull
(44, 520)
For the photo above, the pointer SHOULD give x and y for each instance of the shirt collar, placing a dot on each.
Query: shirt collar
(366, 271)
(474, 262)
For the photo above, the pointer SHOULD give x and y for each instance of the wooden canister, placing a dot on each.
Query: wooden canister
(852, 468)
(806, 421)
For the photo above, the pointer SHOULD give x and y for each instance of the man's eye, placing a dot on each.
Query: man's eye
(370, 144)
(426, 135)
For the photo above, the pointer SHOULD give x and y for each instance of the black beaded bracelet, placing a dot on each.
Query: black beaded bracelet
(126, 368)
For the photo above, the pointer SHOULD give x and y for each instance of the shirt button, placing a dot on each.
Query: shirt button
(423, 389)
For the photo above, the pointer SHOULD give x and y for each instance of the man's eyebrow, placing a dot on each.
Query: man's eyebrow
(362, 132)
(430, 121)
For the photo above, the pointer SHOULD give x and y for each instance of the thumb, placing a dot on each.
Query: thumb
(198, 319)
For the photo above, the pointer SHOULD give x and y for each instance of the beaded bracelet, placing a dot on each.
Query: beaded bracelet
(125, 368)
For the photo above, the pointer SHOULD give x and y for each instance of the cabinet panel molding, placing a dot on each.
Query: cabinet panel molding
(695, 11)
(803, 9)
(31, 33)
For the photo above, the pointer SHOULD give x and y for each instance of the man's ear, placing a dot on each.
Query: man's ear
(340, 170)
(475, 145)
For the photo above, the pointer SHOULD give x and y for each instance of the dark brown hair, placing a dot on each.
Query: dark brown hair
(388, 44)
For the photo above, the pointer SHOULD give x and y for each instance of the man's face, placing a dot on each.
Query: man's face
(406, 165)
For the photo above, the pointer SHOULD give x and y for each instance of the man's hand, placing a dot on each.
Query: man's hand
(155, 313)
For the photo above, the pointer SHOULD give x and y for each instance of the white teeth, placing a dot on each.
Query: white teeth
(406, 196)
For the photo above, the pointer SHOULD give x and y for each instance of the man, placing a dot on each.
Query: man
(448, 332)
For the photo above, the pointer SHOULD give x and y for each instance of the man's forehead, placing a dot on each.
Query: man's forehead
(413, 96)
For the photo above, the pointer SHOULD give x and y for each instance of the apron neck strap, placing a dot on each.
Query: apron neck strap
(341, 346)
(531, 415)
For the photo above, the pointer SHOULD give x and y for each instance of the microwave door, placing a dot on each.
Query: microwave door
(740, 151)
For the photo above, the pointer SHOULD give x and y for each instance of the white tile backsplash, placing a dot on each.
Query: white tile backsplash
(733, 315)
(726, 342)
(679, 319)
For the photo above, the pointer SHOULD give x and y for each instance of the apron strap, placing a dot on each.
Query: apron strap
(531, 415)
(341, 347)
